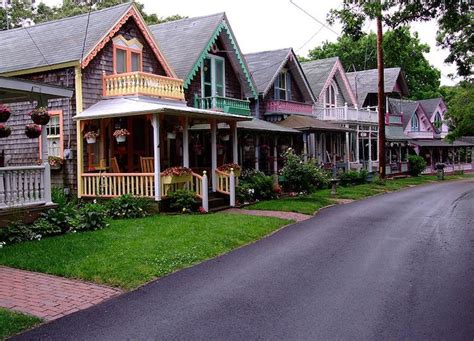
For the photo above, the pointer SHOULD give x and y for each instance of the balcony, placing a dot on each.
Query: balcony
(287, 107)
(346, 114)
(421, 134)
(142, 83)
(225, 104)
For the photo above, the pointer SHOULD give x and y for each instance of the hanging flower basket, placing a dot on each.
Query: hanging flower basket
(225, 137)
(228, 166)
(171, 136)
(5, 113)
(55, 162)
(5, 130)
(91, 137)
(40, 116)
(32, 131)
(176, 175)
(121, 135)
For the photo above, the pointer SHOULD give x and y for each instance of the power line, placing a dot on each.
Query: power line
(36, 45)
(314, 18)
(87, 28)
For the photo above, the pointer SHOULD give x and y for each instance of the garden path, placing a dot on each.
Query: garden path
(277, 214)
(46, 296)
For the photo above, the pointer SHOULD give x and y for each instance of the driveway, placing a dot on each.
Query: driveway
(397, 266)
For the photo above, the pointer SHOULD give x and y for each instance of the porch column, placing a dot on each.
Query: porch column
(357, 145)
(347, 158)
(235, 152)
(257, 152)
(275, 156)
(47, 167)
(156, 156)
(305, 147)
(186, 142)
(214, 154)
(80, 158)
(370, 148)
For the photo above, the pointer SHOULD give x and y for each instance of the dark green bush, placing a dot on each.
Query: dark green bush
(182, 200)
(417, 165)
(127, 206)
(18, 232)
(302, 176)
(353, 178)
(44, 228)
(255, 185)
(92, 216)
(64, 216)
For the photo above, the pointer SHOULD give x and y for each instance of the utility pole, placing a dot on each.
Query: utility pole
(381, 97)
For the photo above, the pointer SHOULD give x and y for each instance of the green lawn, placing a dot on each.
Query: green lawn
(132, 252)
(12, 323)
(311, 203)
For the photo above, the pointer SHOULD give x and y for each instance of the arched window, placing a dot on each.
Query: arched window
(127, 55)
(415, 123)
(331, 96)
(438, 122)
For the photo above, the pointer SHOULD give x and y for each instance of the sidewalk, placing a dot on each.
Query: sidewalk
(46, 296)
(277, 214)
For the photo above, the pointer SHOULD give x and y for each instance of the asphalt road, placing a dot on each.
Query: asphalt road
(397, 266)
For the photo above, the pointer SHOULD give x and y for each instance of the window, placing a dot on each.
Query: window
(415, 124)
(213, 76)
(438, 122)
(330, 100)
(54, 134)
(282, 86)
(127, 55)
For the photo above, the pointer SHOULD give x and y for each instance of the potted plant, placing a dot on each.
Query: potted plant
(55, 162)
(175, 175)
(4, 113)
(40, 116)
(5, 130)
(228, 166)
(91, 137)
(121, 135)
(32, 130)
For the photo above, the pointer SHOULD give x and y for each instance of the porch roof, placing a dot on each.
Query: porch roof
(441, 143)
(18, 90)
(255, 124)
(134, 106)
(308, 123)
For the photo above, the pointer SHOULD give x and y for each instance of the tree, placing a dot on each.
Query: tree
(401, 48)
(460, 114)
(455, 20)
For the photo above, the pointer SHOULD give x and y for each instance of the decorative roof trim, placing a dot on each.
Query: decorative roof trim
(338, 67)
(131, 13)
(222, 26)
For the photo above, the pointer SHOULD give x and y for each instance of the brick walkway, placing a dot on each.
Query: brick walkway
(48, 297)
(276, 214)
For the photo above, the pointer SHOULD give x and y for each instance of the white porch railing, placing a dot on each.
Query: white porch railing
(24, 185)
(346, 113)
(110, 185)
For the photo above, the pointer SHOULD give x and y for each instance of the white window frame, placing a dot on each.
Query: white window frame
(415, 119)
(213, 59)
(282, 75)
(331, 89)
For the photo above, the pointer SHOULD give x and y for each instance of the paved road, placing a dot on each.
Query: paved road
(398, 266)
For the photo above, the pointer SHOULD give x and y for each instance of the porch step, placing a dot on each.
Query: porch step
(218, 202)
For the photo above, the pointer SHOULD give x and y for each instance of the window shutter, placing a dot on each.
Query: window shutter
(276, 85)
(288, 86)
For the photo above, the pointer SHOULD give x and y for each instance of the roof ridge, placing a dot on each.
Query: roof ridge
(282, 49)
(372, 70)
(190, 18)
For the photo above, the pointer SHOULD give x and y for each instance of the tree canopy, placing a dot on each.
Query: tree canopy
(460, 103)
(357, 51)
(20, 12)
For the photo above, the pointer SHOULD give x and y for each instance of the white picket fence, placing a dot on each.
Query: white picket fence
(24, 185)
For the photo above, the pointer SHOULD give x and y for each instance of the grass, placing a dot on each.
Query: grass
(12, 323)
(311, 203)
(132, 252)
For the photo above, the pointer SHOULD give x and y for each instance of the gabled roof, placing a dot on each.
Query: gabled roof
(65, 40)
(365, 82)
(430, 105)
(186, 42)
(320, 74)
(406, 108)
(266, 65)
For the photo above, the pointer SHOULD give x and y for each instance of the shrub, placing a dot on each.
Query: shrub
(127, 206)
(353, 178)
(92, 216)
(182, 200)
(417, 164)
(302, 176)
(18, 232)
(44, 228)
(255, 185)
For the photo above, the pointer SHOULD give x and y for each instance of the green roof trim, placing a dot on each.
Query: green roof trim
(215, 35)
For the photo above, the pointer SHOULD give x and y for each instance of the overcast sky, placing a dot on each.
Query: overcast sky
(271, 24)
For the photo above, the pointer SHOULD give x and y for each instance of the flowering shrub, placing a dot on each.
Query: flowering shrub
(40, 116)
(91, 135)
(5, 130)
(121, 132)
(177, 171)
(4, 113)
(227, 167)
(254, 185)
(127, 206)
(32, 130)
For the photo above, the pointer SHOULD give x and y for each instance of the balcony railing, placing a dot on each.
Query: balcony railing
(346, 114)
(225, 104)
(288, 107)
(421, 134)
(142, 83)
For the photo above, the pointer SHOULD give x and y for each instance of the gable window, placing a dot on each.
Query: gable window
(213, 76)
(282, 86)
(438, 122)
(127, 55)
(330, 99)
(415, 123)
